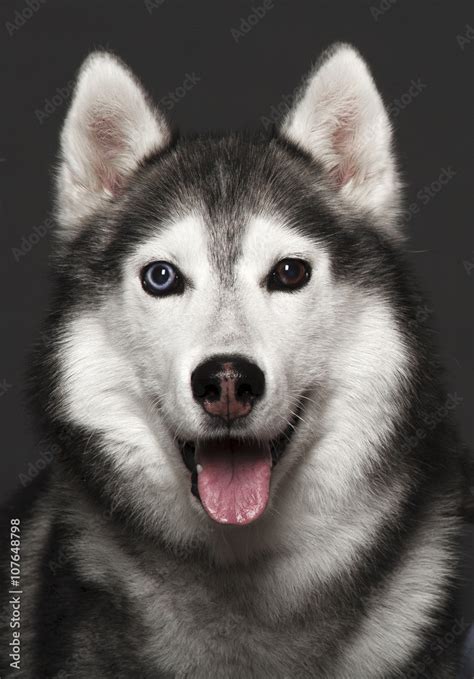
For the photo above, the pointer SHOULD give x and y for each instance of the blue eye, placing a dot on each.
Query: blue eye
(161, 279)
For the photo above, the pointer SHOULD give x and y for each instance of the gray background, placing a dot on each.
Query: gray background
(241, 80)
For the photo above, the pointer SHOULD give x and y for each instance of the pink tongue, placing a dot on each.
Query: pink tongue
(234, 482)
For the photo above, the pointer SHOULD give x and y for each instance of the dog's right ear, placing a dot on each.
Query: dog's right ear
(110, 127)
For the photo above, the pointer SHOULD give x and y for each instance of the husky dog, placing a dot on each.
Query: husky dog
(255, 474)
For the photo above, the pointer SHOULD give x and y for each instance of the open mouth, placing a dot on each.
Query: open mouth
(231, 476)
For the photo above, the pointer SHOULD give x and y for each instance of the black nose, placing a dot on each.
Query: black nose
(227, 386)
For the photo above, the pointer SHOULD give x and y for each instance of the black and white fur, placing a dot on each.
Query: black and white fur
(350, 572)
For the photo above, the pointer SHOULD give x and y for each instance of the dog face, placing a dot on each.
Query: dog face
(230, 331)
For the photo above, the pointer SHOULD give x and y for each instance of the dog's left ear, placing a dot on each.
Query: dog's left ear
(110, 128)
(340, 120)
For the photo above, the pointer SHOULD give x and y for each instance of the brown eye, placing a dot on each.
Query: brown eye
(289, 275)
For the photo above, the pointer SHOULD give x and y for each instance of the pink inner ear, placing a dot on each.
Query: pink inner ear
(107, 140)
(113, 184)
(343, 142)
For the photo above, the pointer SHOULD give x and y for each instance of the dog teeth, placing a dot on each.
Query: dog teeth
(199, 468)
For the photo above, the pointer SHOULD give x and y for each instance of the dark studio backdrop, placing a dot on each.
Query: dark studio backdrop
(232, 65)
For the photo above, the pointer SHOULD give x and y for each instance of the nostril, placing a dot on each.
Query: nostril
(244, 391)
(211, 392)
(203, 390)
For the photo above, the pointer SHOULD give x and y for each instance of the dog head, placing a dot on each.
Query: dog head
(227, 330)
